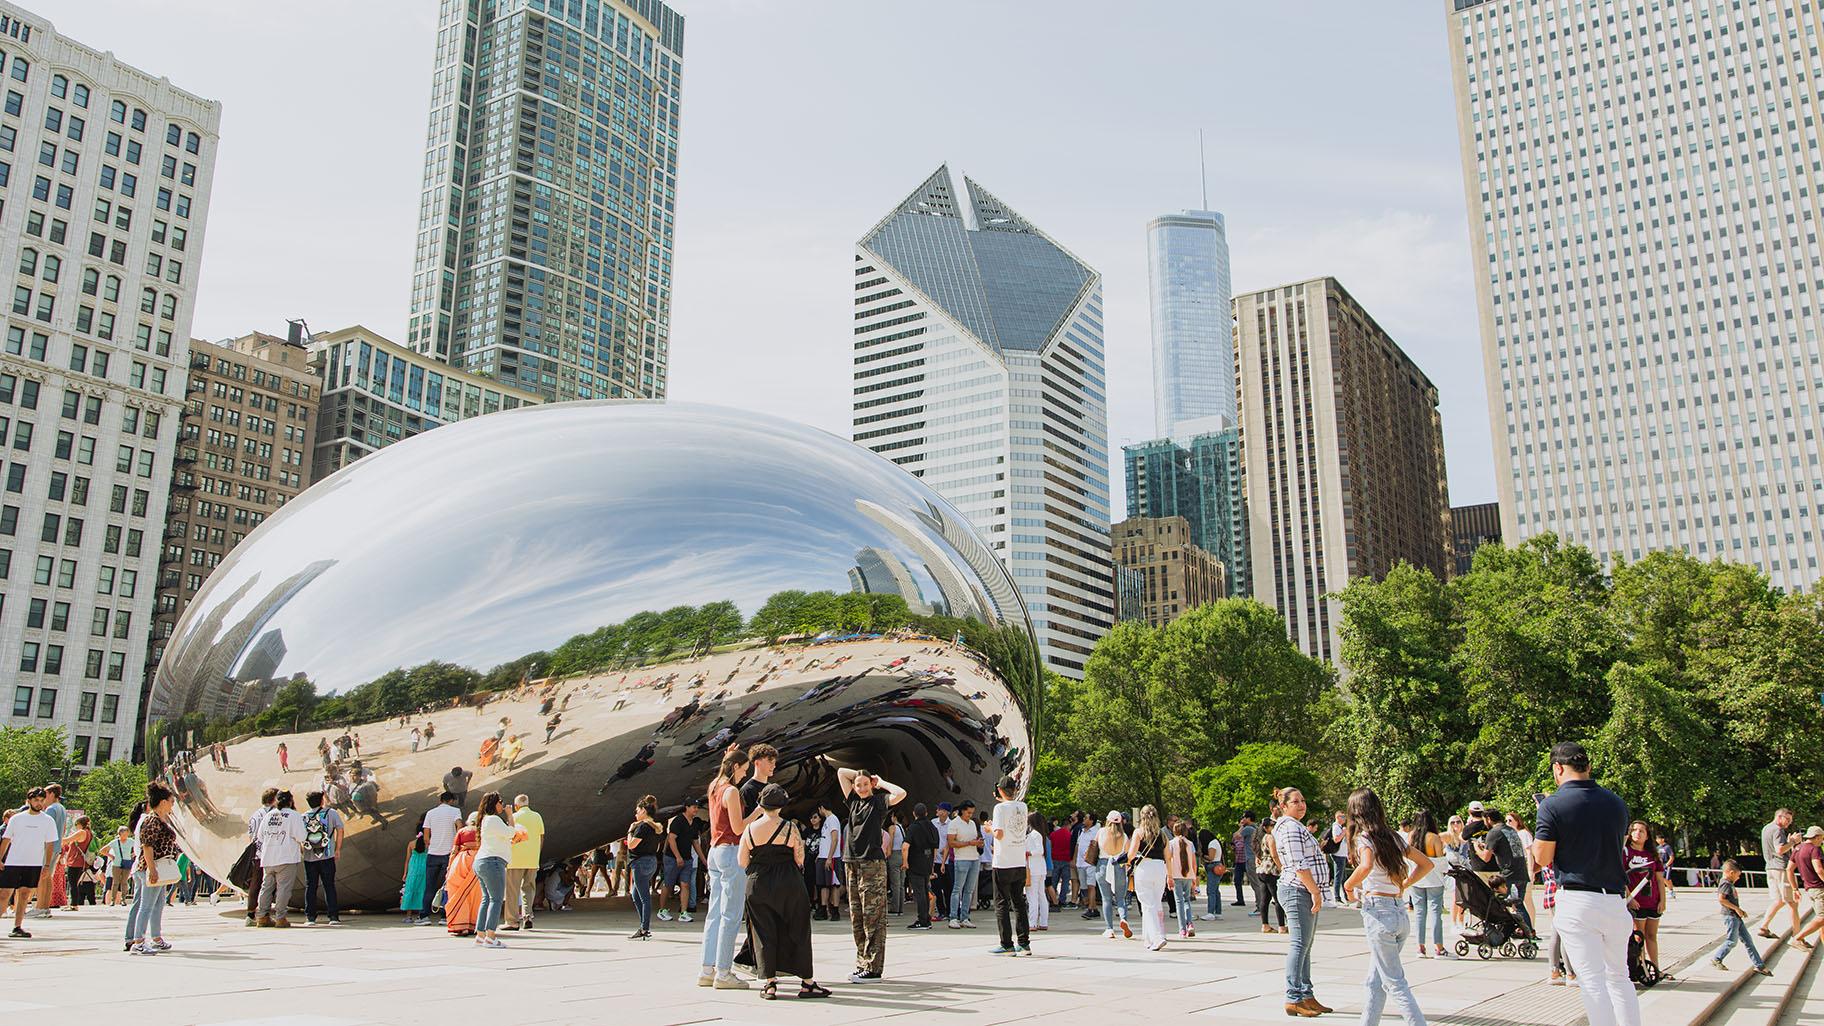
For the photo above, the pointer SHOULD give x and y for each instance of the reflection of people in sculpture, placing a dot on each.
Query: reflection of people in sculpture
(512, 749)
(640, 761)
(366, 796)
(430, 731)
(551, 726)
(489, 749)
(284, 758)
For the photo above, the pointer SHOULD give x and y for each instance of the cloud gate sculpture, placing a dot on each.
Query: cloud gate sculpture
(588, 602)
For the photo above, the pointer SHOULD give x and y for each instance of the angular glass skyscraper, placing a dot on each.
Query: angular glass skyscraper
(978, 367)
(1193, 341)
(550, 174)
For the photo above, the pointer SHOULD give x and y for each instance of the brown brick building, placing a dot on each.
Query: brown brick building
(1176, 575)
(243, 450)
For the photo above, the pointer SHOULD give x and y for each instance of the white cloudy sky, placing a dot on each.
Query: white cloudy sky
(1331, 138)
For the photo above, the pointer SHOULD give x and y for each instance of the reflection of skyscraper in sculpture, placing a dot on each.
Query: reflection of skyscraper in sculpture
(880, 572)
(229, 658)
(958, 597)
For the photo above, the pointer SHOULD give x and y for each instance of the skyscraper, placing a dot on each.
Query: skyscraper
(550, 174)
(1176, 576)
(1193, 339)
(1199, 479)
(1643, 189)
(105, 178)
(978, 367)
(1345, 454)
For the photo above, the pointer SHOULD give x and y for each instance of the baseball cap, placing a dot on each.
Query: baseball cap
(1008, 785)
(1475, 806)
(1813, 831)
(1116, 814)
(943, 806)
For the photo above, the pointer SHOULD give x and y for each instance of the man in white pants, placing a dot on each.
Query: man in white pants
(1582, 828)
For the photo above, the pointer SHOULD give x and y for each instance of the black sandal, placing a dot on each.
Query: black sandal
(812, 990)
(770, 991)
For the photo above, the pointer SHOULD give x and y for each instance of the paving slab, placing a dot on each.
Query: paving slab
(580, 967)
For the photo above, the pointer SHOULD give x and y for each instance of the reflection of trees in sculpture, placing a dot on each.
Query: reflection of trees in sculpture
(643, 639)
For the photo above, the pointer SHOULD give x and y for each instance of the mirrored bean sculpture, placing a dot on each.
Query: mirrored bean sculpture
(587, 603)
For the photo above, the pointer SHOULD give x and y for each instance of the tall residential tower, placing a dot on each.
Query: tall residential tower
(105, 176)
(1344, 454)
(978, 367)
(550, 173)
(1644, 207)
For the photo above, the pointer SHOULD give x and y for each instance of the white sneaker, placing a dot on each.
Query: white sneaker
(1207, 916)
(956, 924)
(1108, 935)
(686, 917)
(664, 915)
(968, 924)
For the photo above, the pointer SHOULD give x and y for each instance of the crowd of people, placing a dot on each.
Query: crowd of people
(761, 877)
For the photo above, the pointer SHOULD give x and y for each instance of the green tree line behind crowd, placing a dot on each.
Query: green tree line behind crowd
(1696, 686)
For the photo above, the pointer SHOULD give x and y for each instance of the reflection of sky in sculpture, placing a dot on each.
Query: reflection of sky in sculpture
(522, 538)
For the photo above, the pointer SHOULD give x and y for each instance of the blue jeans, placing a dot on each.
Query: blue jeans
(1111, 880)
(1385, 924)
(962, 891)
(492, 872)
(1213, 884)
(1302, 922)
(1184, 893)
(643, 869)
(146, 916)
(682, 875)
(727, 905)
(1734, 929)
(1428, 903)
(1339, 872)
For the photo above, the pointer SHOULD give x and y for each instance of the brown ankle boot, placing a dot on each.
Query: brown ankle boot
(1312, 1004)
(1300, 1010)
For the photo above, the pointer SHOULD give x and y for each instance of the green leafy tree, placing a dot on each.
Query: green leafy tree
(1649, 750)
(1537, 644)
(1049, 791)
(1408, 721)
(1128, 723)
(1243, 679)
(107, 795)
(1245, 783)
(30, 757)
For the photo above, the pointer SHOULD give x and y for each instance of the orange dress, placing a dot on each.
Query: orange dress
(463, 891)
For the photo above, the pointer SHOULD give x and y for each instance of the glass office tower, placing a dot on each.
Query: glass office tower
(550, 174)
(1193, 342)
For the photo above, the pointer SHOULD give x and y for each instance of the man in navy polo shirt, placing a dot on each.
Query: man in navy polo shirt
(1582, 832)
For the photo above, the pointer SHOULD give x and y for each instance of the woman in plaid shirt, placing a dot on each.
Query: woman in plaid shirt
(1304, 877)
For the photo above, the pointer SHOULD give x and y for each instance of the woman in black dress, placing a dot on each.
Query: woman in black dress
(778, 909)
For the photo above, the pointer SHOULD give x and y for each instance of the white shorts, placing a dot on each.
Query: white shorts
(1778, 889)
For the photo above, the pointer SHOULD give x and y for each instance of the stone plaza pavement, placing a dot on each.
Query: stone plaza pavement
(579, 967)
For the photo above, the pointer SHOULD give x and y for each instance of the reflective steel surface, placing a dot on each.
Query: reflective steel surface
(665, 578)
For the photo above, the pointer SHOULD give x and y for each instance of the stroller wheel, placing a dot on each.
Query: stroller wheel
(1529, 950)
(1649, 973)
(1508, 950)
(1484, 951)
(1462, 949)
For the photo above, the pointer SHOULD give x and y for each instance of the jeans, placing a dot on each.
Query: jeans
(1011, 916)
(1734, 929)
(896, 883)
(962, 892)
(1339, 872)
(1213, 885)
(436, 867)
(492, 872)
(1596, 928)
(1240, 872)
(1520, 909)
(1384, 922)
(146, 916)
(1428, 903)
(1183, 891)
(1112, 882)
(682, 875)
(643, 869)
(1296, 901)
(323, 871)
(727, 907)
(276, 883)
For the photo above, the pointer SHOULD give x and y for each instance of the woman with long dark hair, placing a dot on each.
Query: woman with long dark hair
(1384, 868)
(1428, 890)
(1647, 887)
(1266, 872)
(727, 881)
(462, 891)
(155, 872)
(642, 845)
(497, 837)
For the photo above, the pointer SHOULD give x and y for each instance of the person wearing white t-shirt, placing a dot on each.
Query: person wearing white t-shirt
(965, 846)
(1212, 871)
(1007, 829)
(1038, 906)
(1086, 873)
(281, 842)
(26, 848)
(440, 827)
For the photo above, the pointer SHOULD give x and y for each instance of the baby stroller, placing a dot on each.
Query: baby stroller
(1641, 969)
(1495, 924)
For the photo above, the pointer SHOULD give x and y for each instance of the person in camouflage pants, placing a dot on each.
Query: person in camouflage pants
(867, 798)
(868, 914)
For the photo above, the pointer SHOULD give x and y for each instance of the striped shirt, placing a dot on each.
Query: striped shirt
(1299, 850)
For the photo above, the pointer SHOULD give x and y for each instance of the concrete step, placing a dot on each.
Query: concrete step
(1805, 1006)
(1748, 998)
